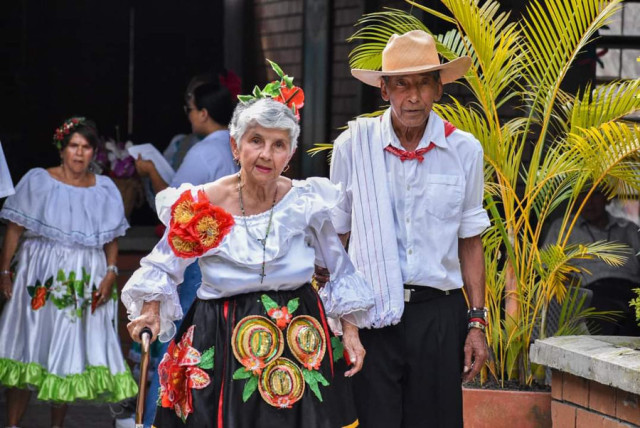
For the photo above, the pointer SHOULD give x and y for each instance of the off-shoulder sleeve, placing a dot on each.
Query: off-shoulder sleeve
(166, 198)
(347, 295)
(89, 216)
(160, 273)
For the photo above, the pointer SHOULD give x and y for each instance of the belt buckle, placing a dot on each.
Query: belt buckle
(407, 295)
(447, 292)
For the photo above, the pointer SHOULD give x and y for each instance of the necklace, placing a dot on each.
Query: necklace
(262, 241)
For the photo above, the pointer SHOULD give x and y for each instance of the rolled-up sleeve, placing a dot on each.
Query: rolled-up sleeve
(340, 173)
(474, 217)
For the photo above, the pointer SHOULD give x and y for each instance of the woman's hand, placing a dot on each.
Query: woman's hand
(351, 342)
(144, 167)
(149, 317)
(105, 289)
(6, 286)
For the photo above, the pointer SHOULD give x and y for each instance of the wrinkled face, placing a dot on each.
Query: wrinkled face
(263, 153)
(411, 97)
(77, 155)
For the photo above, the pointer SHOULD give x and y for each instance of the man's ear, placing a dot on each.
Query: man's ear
(384, 90)
(440, 91)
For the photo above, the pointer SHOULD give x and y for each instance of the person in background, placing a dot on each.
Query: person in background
(57, 334)
(413, 217)
(6, 185)
(209, 106)
(612, 286)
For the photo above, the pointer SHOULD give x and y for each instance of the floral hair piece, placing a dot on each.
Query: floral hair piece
(283, 91)
(65, 129)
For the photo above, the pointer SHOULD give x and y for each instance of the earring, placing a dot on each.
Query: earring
(237, 161)
(286, 168)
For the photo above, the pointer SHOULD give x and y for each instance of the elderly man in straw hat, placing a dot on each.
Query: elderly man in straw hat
(413, 217)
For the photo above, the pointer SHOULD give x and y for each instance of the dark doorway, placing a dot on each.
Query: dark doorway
(66, 58)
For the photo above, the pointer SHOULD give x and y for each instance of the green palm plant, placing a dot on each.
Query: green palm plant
(574, 144)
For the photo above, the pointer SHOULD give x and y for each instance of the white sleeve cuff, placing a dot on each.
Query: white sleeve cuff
(146, 285)
(473, 223)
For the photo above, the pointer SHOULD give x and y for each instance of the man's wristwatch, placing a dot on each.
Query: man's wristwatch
(113, 268)
(477, 318)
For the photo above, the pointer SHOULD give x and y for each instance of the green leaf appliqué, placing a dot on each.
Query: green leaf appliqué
(249, 388)
(206, 361)
(268, 303)
(293, 305)
(242, 373)
(338, 348)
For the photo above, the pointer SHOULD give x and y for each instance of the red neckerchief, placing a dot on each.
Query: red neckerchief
(418, 154)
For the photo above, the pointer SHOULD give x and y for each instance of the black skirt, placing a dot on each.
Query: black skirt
(264, 359)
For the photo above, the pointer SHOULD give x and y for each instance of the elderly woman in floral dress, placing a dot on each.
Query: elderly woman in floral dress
(255, 349)
(56, 331)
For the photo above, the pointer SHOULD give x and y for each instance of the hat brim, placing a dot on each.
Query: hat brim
(449, 71)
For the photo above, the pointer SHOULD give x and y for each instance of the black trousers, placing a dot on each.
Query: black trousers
(411, 376)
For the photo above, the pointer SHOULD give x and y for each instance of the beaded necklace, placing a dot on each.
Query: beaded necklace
(262, 241)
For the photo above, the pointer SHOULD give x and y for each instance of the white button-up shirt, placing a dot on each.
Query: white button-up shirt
(434, 202)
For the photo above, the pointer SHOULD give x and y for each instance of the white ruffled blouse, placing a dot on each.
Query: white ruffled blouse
(88, 216)
(301, 235)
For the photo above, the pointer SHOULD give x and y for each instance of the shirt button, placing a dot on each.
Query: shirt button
(408, 187)
(410, 252)
(408, 220)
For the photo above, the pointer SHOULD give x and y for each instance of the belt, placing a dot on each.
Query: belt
(417, 293)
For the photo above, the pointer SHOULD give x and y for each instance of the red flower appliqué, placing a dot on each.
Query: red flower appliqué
(179, 374)
(293, 97)
(39, 298)
(253, 364)
(196, 225)
(281, 316)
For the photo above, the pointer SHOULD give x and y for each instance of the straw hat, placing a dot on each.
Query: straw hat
(413, 53)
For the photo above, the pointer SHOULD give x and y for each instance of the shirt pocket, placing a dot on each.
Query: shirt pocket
(444, 195)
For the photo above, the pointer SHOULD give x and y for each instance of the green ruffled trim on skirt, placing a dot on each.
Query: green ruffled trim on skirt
(97, 383)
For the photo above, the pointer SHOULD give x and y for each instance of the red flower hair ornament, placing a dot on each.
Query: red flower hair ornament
(65, 129)
(196, 225)
(283, 91)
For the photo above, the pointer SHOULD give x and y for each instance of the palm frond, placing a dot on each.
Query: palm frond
(606, 103)
(611, 155)
(432, 12)
(555, 32)
(556, 259)
(376, 30)
(321, 147)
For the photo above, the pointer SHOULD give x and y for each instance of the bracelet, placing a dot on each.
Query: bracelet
(475, 324)
(113, 268)
(480, 320)
(5, 272)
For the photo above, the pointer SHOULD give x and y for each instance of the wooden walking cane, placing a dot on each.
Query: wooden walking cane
(145, 338)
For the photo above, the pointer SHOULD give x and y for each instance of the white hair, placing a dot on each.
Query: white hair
(267, 113)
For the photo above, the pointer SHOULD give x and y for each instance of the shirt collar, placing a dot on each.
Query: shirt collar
(434, 132)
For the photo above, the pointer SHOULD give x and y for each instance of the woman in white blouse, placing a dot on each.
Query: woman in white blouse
(57, 335)
(255, 349)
